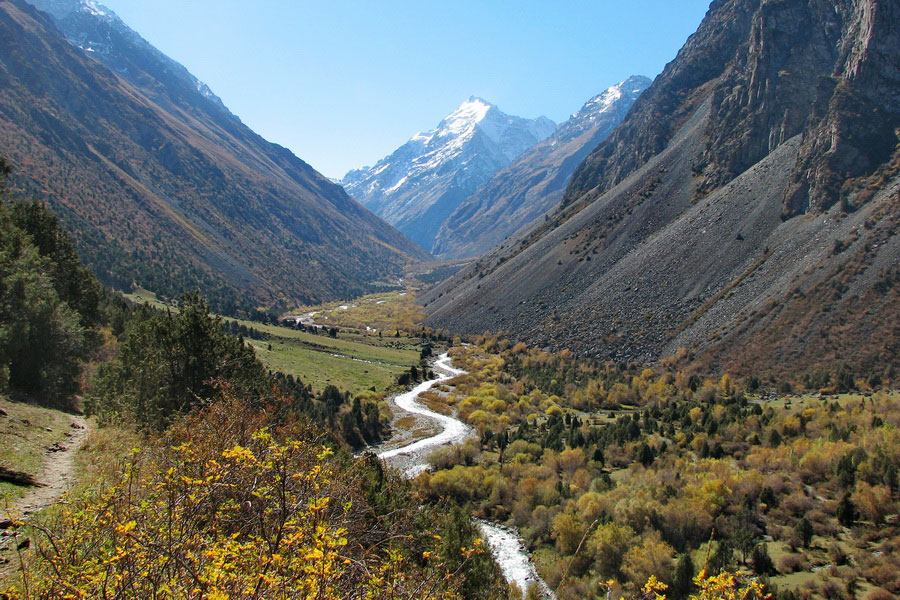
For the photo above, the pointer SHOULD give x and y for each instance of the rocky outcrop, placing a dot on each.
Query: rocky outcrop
(854, 128)
(771, 70)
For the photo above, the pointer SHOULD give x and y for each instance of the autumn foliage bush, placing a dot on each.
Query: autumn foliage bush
(225, 507)
(622, 471)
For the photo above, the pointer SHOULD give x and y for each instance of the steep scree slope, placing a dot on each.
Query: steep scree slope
(712, 219)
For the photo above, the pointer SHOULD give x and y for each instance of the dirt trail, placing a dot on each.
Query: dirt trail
(58, 475)
(57, 478)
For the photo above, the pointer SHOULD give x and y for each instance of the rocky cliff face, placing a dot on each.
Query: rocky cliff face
(743, 209)
(421, 183)
(534, 182)
(771, 70)
(160, 185)
(852, 131)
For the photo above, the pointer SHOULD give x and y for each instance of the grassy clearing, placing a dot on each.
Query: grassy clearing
(140, 296)
(352, 361)
(25, 434)
(387, 313)
(357, 360)
(396, 351)
(319, 367)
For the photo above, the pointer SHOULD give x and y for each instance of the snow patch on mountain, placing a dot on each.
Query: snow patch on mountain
(97, 30)
(421, 182)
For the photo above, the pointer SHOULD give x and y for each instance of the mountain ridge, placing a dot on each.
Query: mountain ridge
(680, 230)
(535, 181)
(418, 185)
(162, 187)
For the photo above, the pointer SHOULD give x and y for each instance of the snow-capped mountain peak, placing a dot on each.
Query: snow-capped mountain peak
(425, 178)
(461, 120)
(60, 9)
(535, 181)
(602, 106)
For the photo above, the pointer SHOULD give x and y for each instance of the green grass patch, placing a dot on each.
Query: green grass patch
(320, 367)
(398, 351)
(352, 361)
(355, 361)
(141, 296)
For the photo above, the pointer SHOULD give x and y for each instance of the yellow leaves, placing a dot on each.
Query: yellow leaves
(653, 587)
(239, 453)
(318, 504)
(315, 554)
(126, 527)
(187, 527)
(725, 586)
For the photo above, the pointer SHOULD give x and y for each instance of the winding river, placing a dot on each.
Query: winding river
(412, 459)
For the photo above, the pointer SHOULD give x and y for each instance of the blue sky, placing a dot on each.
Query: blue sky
(342, 83)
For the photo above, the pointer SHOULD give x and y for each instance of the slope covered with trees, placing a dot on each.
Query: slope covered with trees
(162, 187)
(622, 472)
(241, 484)
(49, 303)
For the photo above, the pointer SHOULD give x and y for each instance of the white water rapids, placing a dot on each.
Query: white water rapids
(453, 431)
(505, 544)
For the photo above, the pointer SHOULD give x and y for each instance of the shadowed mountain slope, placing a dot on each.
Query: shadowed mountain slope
(159, 184)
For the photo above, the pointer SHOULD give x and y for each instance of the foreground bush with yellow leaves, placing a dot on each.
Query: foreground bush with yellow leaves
(225, 507)
(724, 586)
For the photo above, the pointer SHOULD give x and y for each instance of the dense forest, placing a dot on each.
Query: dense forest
(623, 472)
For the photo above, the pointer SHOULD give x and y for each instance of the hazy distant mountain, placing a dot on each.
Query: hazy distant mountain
(534, 182)
(159, 183)
(421, 183)
(746, 209)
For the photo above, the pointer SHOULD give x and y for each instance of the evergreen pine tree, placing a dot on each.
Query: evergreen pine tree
(683, 580)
